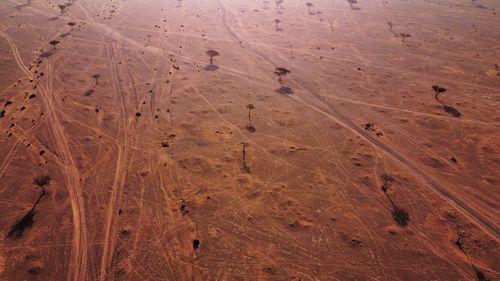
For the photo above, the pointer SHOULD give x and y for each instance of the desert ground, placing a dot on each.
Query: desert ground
(249, 140)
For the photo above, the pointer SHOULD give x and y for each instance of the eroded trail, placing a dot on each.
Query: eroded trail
(178, 170)
(328, 109)
(78, 263)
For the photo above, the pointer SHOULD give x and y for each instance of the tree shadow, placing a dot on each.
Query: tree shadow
(26, 222)
(65, 34)
(211, 67)
(54, 18)
(21, 226)
(400, 215)
(89, 92)
(451, 110)
(45, 54)
(250, 128)
(284, 90)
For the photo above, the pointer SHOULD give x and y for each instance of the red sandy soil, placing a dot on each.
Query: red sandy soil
(144, 144)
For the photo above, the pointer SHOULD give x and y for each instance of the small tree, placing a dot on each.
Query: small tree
(352, 2)
(62, 7)
(404, 36)
(96, 77)
(211, 54)
(71, 24)
(250, 128)
(277, 22)
(309, 7)
(54, 43)
(438, 90)
(390, 25)
(281, 72)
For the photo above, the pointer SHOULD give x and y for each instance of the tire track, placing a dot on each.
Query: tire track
(488, 226)
(77, 267)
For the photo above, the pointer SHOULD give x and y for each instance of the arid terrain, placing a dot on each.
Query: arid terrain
(249, 140)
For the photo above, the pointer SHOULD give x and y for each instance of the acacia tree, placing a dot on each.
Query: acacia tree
(438, 90)
(281, 72)
(54, 43)
(277, 22)
(211, 54)
(404, 36)
(71, 24)
(62, 7)
(309, 7)
(352, 2)
(96, 77)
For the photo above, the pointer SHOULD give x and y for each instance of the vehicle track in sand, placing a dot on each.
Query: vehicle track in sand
(333, 113)
(78, 265)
